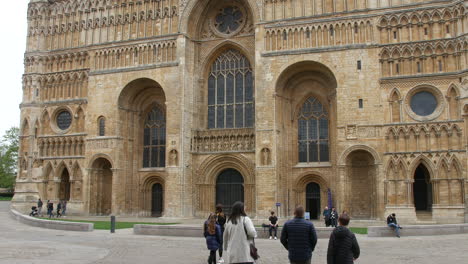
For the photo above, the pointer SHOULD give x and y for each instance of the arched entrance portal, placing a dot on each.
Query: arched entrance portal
(422, 189)
(313, 200)
(101, 187)
(157, 200)
(64, 190)
(360, 187)
(229, 189)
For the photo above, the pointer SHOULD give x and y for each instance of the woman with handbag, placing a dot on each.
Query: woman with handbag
(239, 234)
(213, 237)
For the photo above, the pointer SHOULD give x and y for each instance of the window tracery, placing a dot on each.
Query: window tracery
(231, 92)
(154, 139)
(313, 132)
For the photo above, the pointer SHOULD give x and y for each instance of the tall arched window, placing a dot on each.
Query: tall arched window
(231, 92)
(154, 139)
(102, 126)
(313, 132)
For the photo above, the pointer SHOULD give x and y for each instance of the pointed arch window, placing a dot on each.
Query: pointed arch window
(154, 139)
(231, 92)
(313, 123)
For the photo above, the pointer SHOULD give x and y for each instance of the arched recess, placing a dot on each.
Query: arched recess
(47, 190)
(64, 186)
(361, 182)
(207, 176)
(153, 188)
(142, 107)
(296, 86)
(301, 194)
(77, 183)
(229, 189)
(395, 106)
(453, 103)
(194, 13)
(100, 187)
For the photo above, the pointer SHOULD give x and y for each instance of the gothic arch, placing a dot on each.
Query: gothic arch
(220, 48)
(100, 156)
(191, 15)
(426, 162)
(147, 196)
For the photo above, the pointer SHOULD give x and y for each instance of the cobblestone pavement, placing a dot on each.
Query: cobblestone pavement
(20, 243)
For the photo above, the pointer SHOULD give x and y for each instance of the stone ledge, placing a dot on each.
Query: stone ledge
(197, 231)
(418, 230)
(51, 224)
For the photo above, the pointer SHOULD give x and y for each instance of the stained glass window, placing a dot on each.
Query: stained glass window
(313, 132)
(228, 19)
(64, 120)
(154, 139)
(231, 92)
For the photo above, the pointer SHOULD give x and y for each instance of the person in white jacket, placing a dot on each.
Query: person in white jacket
(238, 235)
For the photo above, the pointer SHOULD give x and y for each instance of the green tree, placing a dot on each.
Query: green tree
(9, 157)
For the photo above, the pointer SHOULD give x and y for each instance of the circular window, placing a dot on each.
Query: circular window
(64, 120)
(228, 19)
(423, 103)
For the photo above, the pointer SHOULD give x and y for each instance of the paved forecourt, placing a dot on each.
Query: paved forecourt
(21, 243)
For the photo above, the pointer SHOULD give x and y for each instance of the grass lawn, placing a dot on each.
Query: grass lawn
(105, 225)
(5, 198)
(359, 230)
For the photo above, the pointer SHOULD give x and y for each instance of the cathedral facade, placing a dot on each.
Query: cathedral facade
(168, 107)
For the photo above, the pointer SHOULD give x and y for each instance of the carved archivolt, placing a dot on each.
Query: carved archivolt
(215, 164)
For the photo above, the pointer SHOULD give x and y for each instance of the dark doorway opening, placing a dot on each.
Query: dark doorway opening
(229, 189)
(64, 191)
(157, 200)
(422, 189)
(313, 200)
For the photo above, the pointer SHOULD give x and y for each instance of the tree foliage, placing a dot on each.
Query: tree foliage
(9, 146)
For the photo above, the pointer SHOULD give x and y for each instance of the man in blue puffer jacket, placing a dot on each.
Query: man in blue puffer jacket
(299, 238)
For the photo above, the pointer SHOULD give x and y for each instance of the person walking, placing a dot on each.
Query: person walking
(50, 208)
(59, 209)
(213, 236)
(392, 223)
(343, 247)
(273, 224)
(333, 217)
(299, 238)
(39, 207)
(326, 216)
(221, 221)
(238, 235)
(64, 207)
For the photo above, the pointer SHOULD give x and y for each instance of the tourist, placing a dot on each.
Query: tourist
(39, 207)
(64, 207)
(59, 209)
(343, 247)
(299, 238)
(392, 223)
(273, 224)
(237, 235)
(212, 233)
(221, 221)
(50, 208)
(333, 217)
(326, 216)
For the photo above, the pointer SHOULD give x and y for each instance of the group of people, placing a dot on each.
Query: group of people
(236, 234)
(60, 211)
(330, 216)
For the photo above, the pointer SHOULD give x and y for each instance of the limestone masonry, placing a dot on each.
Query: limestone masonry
(168, 107)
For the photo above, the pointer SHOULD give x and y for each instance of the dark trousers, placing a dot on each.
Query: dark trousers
(212, 258)
(301, 262)
(333, 222)
(275, 228)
